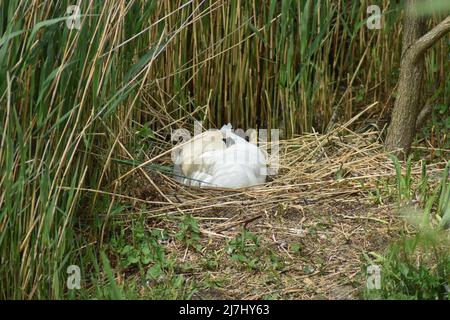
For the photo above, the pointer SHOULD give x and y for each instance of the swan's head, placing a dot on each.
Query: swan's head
(211, 140)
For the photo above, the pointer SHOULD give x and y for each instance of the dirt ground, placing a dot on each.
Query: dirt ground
(328, 264)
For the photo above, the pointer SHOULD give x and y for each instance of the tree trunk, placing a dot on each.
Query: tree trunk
(408, 103)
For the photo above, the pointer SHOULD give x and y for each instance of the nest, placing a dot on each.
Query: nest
(325, 199)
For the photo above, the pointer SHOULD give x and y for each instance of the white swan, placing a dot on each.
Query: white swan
(220, 158)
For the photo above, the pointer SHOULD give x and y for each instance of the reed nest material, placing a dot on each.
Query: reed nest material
(322, 199)
(343, 166)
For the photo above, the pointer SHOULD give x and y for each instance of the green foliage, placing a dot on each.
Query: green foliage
(247, 251)
(429, 7)
(145, 252)
(189, 232)
(436, 131)
(404, 182)
(418, 267)
(114, 290)
(295, 248)
(443, 196)
(415, 267)
(142, 251)
(244, 249)
(61, 104)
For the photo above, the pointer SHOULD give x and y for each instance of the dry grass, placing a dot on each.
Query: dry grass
(323, 199)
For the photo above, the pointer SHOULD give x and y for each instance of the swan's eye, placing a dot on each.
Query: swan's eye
(247, 138)
(224, 140)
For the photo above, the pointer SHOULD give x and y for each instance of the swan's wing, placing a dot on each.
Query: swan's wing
(205, 168)
(178, 173)
(245, 151)
(235, 167)
(199, 178)
(247, 155)
(240, 165)
(234, 176)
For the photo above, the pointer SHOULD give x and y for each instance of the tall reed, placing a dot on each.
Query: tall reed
(71, 100)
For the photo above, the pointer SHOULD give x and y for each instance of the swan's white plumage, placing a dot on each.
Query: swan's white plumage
(206, 160)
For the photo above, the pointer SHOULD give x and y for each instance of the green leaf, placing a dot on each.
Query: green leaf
(154, 272)
(115, 292)
(295, 247)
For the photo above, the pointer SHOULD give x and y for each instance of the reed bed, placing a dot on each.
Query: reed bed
(76, 103)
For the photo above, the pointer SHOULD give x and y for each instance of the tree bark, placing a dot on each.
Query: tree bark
(408, 103)
(423, 116)
(401, 130)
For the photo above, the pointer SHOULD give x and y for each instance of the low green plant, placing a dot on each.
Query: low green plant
(115, 292)
(244, 249)
(189, 232)
(436, 130)
(247, 250)
(443, 206)
(147, 271)
(418, 266)
(145, 252)
(404, 181)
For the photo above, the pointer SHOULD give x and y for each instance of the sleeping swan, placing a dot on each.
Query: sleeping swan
(220, 158)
